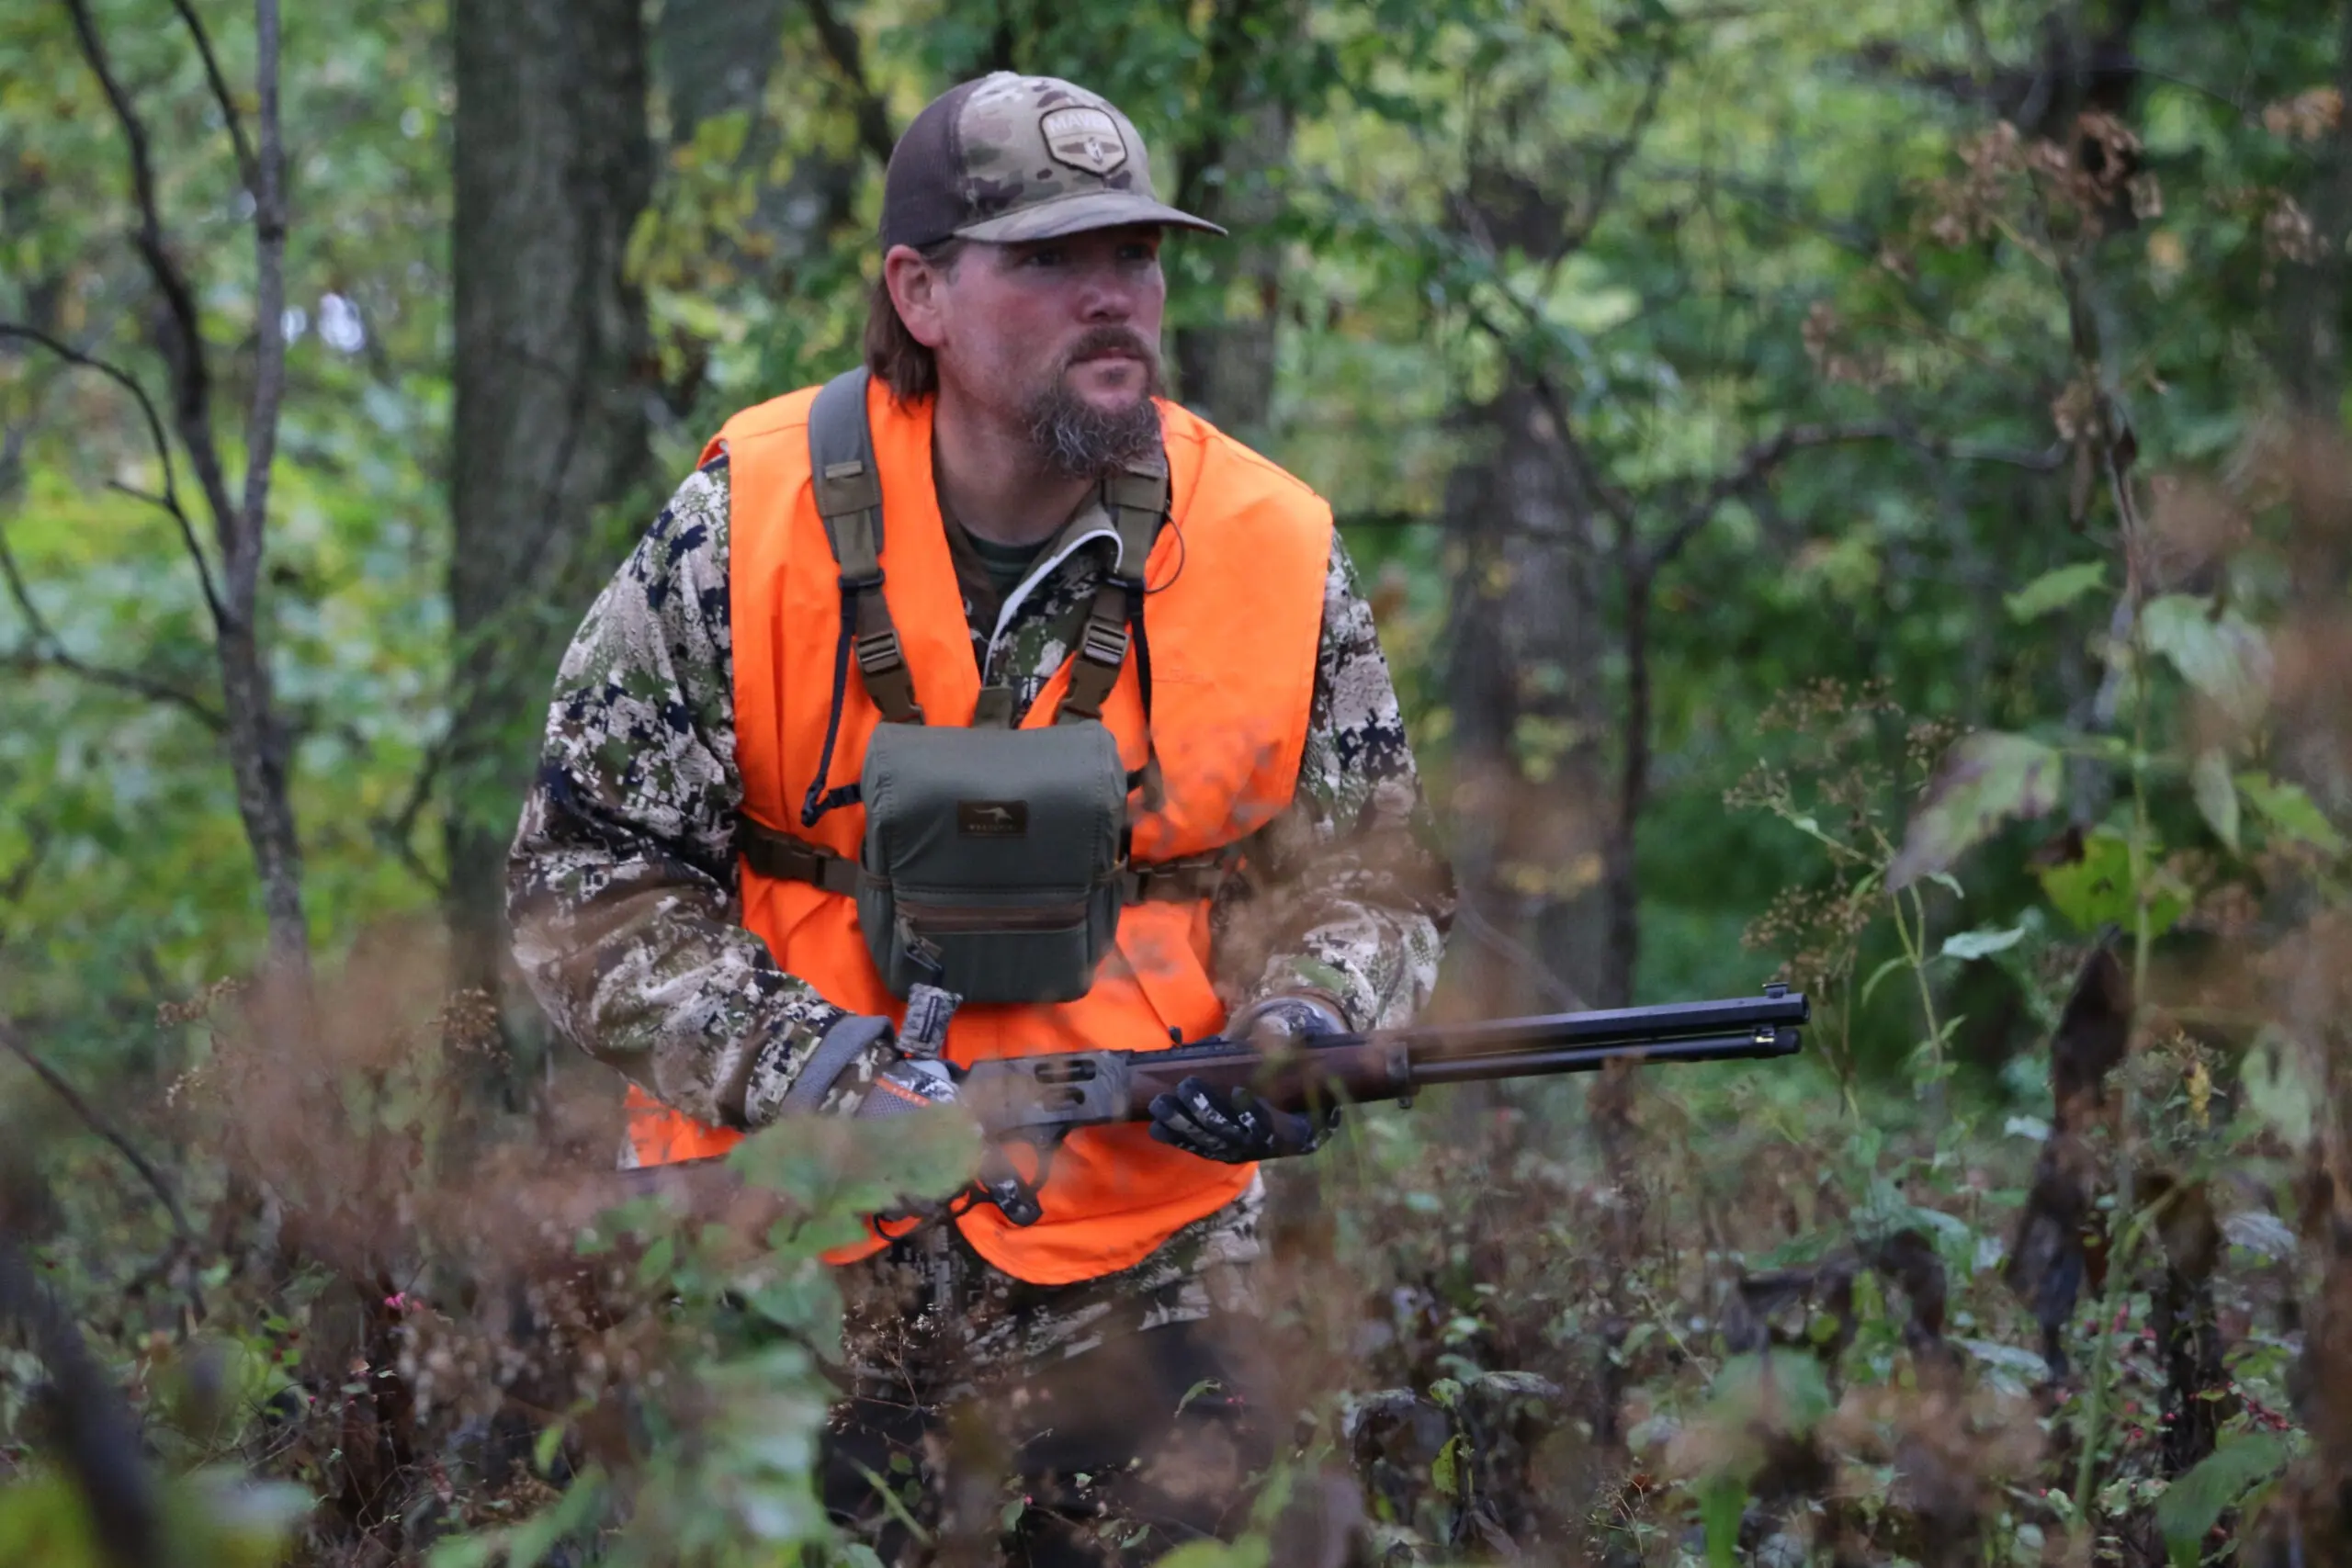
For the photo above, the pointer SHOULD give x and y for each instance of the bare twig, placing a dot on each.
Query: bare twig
(269, 304)
(170, 499)
(1618, 153)
(100, 1444)
(257, 743)
(45, 649)
(246, 168)
(842, 45)
(181, 342)
(1558, 992)
(393, 831)
(1761, 458)
(98, 1124)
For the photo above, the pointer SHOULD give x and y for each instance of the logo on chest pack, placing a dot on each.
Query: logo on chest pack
(992, 819)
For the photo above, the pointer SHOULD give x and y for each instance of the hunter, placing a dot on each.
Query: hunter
(986, 664)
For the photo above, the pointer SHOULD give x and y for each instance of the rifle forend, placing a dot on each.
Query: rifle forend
(1039, 1096)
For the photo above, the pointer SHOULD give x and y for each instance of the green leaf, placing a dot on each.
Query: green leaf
(2054, 590)
(1783, 1391)
(2097, 890)
(1985, 780)
(2217, 797)
(1965, 945)
(1445, 1471)
(2278, 1087)
(1250, 1551)
(1721, 1503)
(2191, 1505)
(836, 1172)
(2221, 656)
(2288, 810)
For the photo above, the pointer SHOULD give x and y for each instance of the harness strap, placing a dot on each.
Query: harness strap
(790, 859)
(1136, 500)
(849, 501)
(1184, 881)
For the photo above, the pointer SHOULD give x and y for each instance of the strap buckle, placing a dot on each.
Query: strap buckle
(1104, 642)
(878, 652)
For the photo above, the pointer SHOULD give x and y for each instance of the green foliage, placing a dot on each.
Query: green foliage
(2215, 651)
(2195, 1503)
(1987, 781)
(215, 1520)
(2055, 589)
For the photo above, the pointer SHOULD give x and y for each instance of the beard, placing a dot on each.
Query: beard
(1079, 441)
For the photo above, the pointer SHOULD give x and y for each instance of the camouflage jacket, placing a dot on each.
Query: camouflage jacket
(622, 879)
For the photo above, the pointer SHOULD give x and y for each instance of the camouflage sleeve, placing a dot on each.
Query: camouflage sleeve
(621, 884)
(1343, 893)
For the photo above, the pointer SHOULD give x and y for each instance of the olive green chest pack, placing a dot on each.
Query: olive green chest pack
(995, 859)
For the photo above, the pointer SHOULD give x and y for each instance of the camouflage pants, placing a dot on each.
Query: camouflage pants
(1102, 1422)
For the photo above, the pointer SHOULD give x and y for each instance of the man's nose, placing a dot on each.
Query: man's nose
(1108, 293)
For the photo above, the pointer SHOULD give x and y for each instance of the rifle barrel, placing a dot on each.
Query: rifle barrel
(1608, 1026)
(1769, 1041)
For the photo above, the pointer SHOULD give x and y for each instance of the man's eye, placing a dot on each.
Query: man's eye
(1042, 259)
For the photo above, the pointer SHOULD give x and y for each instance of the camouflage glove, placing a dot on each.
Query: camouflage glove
(1235, 1127)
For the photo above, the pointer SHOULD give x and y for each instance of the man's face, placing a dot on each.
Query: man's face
(1062, 335)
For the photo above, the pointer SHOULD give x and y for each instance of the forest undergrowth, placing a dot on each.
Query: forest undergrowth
(2090, 1305)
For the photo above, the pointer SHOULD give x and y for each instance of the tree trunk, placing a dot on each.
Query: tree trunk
(1225, 362)
(1531, 803)
(552, 167)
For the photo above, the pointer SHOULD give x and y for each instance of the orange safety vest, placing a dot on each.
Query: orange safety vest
(1235, 613)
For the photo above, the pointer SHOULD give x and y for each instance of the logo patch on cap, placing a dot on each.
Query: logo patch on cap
(1084, 138)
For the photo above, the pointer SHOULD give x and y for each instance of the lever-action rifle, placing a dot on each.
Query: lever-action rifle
(1041, 1100)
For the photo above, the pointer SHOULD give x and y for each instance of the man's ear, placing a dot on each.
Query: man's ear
(916, 287)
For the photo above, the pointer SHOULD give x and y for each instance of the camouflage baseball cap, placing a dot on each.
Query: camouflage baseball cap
(1008, 158)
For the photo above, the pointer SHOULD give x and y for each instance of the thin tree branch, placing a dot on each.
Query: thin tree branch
(1762, 458)
(89, 1115)
(182, 342)
(1620, 153)
(170, 499)
(45, 648)
(270, 311)
(842, 45)
(246, 168)
(393, 831)
(127, 681)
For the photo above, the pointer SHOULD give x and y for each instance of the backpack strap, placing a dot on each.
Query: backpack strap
(791, 859)
(1136, 501)
(1183, 881)
(848, 500)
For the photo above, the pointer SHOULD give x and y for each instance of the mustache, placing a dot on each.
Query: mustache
(1099, 341)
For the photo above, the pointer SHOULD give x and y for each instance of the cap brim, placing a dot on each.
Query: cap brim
(1076, 214)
